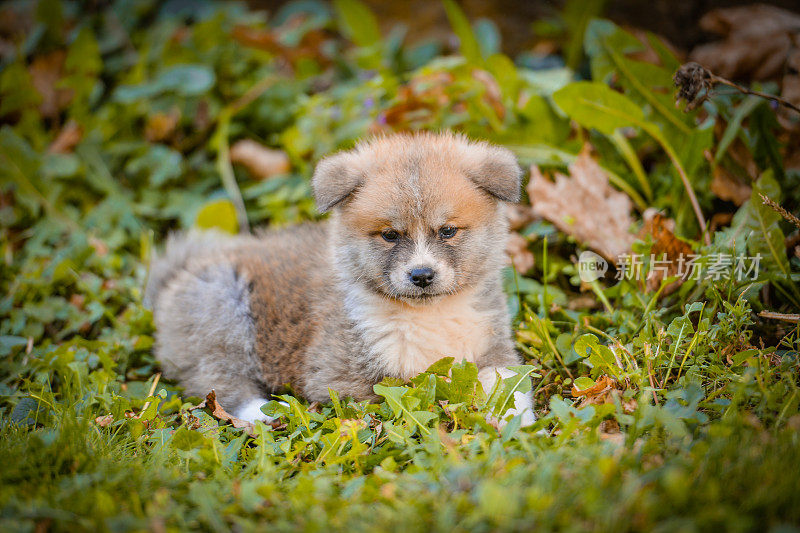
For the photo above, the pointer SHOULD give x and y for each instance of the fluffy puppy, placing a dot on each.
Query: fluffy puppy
(405, 272)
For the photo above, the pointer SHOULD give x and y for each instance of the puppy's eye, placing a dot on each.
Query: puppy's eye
(390, 235)
(447, 232)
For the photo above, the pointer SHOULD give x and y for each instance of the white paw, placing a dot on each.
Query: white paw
(523, 401)
(250, 411)
(523, 405)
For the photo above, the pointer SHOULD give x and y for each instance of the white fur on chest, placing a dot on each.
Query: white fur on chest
(408, 339)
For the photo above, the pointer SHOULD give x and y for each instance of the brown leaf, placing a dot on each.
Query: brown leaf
(417, 101)
(608, 430)
(790, 85)
(45, 74)
(311, 45)
(262, 162)
(719, 220)
(69, 136)
(667, 249)
(104, 421)
(585, 206)
(649, 55)
(493, 95)
(518, 252)
(601, 385)
(220, 414)
(161, 126)
(603, 391)
(519, 216)
(757, 39)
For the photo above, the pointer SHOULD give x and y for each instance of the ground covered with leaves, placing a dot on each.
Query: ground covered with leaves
(666, 400)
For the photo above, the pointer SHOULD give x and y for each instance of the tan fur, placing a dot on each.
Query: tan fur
(332, 305)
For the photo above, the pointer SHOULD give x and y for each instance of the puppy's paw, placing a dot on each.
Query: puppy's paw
(523, 401)
(250, 411)
(523, 405)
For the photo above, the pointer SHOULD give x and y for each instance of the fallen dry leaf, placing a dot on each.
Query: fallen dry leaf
(161, 126)
(69, 136)
(649, 55)
(608, 430)
(518, 252)
(493, 95)
(582, 301)
(104, 421)
(428, 95)
(311, 45)
(719, 220)
(603, 392)
(519, 216)
(46, 71)
(416, 101)
(790, 84)
(602, 384)
(728, 187)
(220, 414)
(262, 162)
(757, 39)
(585, 206)
(667, 249)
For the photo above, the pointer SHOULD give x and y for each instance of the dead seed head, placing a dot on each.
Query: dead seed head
(694, 83)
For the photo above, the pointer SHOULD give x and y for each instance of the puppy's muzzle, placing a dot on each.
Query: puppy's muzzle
(422, 277)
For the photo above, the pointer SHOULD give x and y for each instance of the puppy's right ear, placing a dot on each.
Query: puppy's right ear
(335, 178)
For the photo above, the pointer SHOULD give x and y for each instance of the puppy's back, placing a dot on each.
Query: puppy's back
(232, 311)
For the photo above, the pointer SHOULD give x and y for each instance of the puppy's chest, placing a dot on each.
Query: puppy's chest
(407, 340)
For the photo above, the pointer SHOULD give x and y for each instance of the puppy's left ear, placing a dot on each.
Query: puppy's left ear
(495, 170)
(335, 178)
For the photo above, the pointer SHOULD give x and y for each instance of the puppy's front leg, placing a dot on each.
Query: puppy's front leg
(523, 401)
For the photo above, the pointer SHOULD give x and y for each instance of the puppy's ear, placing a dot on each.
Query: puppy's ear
(495, 170)
(335, 178)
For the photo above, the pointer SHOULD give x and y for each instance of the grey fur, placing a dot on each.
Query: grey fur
(499, 174)
(335, 178)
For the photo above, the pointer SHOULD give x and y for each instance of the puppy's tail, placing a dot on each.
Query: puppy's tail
(178, 251)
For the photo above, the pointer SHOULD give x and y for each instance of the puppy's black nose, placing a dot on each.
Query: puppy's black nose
(422, 277)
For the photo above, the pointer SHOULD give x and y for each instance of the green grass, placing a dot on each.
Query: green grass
(700, 429)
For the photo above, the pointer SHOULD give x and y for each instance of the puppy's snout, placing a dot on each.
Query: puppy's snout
(422, 277)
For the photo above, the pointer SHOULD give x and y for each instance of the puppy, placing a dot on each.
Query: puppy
(406, 271)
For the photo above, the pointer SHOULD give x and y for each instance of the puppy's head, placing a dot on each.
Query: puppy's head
(418, 217)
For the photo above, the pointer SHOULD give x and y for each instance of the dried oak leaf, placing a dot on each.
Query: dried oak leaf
(757, 39)
(262, 162)
(585, 206)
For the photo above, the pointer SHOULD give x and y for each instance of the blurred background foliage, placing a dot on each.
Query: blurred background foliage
(661, 403)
